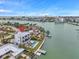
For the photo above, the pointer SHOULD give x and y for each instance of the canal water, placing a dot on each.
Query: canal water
(64, 43)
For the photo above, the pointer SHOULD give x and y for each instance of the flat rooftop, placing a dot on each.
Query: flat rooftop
(10, 47)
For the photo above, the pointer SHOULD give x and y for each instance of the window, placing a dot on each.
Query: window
(16, 43)
(26, 39)
(0, 56)
(26, 36)
(22, 37)
(29, 38)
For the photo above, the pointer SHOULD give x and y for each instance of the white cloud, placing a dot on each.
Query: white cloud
(49, 12)
(37, 14)
(5, 11)
(3, 1)
(68, 12)
(59, 11)
(32, 13)
(62, 12)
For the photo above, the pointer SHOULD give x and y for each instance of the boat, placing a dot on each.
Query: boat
(49, 36)
(42, 52)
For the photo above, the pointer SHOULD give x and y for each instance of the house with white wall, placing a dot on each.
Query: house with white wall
(22, 38)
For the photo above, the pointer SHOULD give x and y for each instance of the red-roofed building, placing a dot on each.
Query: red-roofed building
(21, 28)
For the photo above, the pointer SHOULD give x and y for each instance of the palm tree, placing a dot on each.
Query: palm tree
(16, 24)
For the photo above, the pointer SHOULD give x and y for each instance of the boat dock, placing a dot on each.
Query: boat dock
(42, 52)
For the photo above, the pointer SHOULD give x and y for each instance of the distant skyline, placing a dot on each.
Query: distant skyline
(39, 7)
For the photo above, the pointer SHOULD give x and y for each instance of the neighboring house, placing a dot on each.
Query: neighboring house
(10, 49)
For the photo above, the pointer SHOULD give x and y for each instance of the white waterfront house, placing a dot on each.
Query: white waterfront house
(22, 38)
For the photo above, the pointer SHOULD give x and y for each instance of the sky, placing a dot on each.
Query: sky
(39, 7)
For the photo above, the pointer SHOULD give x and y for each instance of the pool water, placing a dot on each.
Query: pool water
(34, 43)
